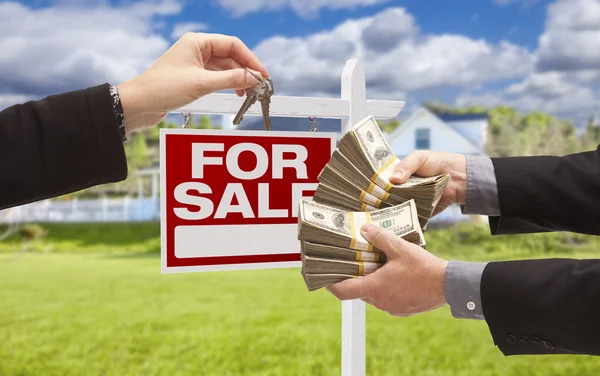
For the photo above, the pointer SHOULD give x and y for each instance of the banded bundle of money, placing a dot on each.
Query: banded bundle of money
(357, 176)
(332, 247)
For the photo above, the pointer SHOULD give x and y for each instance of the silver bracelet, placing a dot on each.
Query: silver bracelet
(118, 110)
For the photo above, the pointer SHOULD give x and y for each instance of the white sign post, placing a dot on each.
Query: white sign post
(350, 109)
(354, 315)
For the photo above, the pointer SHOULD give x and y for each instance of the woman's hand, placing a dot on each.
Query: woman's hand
(196, 65)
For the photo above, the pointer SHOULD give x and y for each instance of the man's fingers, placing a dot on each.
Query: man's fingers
(350, 289)
(408, 166)
(441, 206)
(236, 79)
(384, 240)
(233, 47)
(367, 300)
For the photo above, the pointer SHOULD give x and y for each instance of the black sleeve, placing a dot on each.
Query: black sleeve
(60, 144)
(549, 306)
(540, 194)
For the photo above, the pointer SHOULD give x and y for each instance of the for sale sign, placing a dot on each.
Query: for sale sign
(229, 199)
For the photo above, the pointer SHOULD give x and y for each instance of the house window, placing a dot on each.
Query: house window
(422, 139)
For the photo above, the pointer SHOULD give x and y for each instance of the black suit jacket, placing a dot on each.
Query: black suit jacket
(57, 145)
(548, 306)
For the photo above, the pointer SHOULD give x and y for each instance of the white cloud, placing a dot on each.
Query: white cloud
(7, 100)
(564, 94)
(67, 47)
(567, 66)
(574, 14)
(490, 99)
(396, 57)
(183, 27)
(304, 8)
(571, 40)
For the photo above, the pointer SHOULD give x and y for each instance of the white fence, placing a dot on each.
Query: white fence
(128, 210)
(96, 210)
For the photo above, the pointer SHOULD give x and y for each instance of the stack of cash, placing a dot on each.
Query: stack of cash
(357, 176)
(332, 247)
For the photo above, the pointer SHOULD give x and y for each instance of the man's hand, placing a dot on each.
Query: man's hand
(431, 163)
(411, 282)
(196, 65)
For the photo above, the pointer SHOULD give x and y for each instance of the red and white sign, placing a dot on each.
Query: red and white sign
(229, 199)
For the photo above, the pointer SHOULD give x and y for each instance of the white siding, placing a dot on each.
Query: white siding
(473, 130)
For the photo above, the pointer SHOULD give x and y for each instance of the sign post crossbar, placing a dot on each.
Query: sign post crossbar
(350, 108)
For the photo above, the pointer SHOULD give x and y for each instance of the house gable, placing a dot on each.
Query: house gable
(473, 127)
(441, 136)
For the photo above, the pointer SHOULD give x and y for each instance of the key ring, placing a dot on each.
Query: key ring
(186, 120)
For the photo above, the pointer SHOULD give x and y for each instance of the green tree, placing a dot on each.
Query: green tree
(591, 135)
(204, 122)
(390, 126)
(137, 155)
(511, 133)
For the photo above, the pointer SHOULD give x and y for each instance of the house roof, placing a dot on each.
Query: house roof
(461, 117)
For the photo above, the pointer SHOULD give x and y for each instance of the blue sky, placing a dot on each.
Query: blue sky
(529, 54)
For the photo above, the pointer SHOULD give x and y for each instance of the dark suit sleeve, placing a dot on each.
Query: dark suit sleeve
(540, 194)
(57, 145)
(547, 306)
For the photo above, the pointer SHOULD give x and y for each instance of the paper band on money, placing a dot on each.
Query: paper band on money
(367, 207)
(358, 242)
(368, 198)
(367, 256)
(378, 192)
(381, 177)
(365, 268)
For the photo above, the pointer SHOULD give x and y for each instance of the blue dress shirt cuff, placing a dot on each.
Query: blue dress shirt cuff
(482, 188)
(462, 289)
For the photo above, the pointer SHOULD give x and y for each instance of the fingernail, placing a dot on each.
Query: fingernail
(366, 227)
(398, 175)
(250, 79)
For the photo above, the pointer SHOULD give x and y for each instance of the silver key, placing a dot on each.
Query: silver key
(265, 112)
(251, 97)
(262, 92)
(265, 101)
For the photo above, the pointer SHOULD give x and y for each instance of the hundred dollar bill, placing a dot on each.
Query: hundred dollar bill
(334, 179)
(370, 152)
(317, 281)
(328, 195)
(319, 265)
(338, 253)
(324, 224)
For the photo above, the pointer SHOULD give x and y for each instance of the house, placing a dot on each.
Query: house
(454, 133)
(424, 130)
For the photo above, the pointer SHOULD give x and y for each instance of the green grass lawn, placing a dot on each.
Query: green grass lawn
(96, 304)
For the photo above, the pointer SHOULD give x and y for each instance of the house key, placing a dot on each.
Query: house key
(261, 92)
